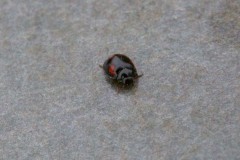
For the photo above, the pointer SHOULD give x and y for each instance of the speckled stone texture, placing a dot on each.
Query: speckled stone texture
(56, 104)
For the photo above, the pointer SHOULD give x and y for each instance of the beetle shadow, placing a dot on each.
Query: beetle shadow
(121, 88)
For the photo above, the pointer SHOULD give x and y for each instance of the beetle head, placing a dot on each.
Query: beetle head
(125, 76)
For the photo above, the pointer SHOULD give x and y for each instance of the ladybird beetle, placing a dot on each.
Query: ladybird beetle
(121, 69)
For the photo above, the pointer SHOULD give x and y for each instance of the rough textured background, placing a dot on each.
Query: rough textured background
(56, 104)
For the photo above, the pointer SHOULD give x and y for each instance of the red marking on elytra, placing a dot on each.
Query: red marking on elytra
(111, 70)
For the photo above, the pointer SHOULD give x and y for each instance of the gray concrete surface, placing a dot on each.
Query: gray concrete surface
(56, 104)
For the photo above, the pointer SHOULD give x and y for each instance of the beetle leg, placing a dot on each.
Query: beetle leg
(100, 66)
(118, 89)
(140, 75)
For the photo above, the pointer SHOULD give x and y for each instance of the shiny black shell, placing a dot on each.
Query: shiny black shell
(120, 68)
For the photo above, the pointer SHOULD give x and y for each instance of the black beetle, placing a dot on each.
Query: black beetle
(121, 69)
